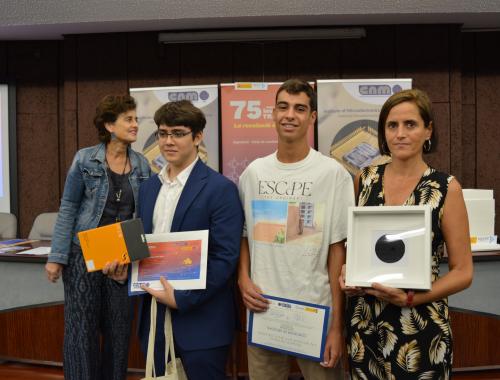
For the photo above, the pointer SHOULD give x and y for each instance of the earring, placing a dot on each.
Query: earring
(427, 145)
(113, 136)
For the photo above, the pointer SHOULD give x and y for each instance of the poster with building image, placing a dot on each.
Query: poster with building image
(205, 97)
(348, 113)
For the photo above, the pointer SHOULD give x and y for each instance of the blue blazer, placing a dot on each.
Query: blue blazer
(205, 318)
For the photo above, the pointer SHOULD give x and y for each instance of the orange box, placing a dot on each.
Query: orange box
(124, 241)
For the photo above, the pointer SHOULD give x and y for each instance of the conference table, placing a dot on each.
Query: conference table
(31, 316)
(482, 296)
(24, 281)
(32, 312)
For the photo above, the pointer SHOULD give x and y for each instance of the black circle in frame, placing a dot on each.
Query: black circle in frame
(388, 250)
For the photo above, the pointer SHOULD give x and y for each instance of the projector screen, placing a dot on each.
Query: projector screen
(8, 167)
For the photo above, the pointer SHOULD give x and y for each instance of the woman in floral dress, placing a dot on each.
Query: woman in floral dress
(401, 334)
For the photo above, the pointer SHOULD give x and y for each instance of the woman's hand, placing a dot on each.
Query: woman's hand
(116, 271)
(350, 291)
(386, 293)
(53, 271)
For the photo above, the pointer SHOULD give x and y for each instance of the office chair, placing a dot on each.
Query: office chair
(8, 225)
(43, 226)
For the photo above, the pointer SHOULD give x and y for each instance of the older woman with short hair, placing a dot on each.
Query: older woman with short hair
(101, 188)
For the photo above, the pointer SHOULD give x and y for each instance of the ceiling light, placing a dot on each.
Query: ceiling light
(259, 35)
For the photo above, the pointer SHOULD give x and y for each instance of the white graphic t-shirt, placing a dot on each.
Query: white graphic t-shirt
(293, 213)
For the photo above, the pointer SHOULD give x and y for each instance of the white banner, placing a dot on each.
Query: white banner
(205, 97)
(348, 113)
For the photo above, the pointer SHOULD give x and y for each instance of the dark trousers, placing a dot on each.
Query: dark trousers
(97, 323)
(209, 364)
(206, 364)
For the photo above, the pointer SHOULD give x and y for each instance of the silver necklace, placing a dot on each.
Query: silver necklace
(118, 194)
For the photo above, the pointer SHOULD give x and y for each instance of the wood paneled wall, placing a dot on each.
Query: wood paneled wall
(60, 82)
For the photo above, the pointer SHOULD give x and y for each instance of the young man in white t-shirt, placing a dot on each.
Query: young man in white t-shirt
(295, 203)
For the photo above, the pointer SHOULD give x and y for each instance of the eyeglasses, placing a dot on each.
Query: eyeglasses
(161, 134)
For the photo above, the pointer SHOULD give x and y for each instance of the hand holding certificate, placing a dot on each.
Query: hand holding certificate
(291, 327)
(180, 257)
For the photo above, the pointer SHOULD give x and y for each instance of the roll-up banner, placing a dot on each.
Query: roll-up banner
(248, 130)
(348, 113)
(205, 97)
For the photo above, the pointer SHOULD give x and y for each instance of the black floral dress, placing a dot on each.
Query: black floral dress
(388, 342)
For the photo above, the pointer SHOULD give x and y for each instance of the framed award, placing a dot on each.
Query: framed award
(390, 245)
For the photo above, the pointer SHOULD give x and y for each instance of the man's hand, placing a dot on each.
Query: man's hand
(165, 296)
(252, 295)
(53, 271)
(350, 291)
(333, 349)
(116, 270)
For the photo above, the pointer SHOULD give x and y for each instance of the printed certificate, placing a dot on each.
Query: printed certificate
(291, 327)
(180, 257)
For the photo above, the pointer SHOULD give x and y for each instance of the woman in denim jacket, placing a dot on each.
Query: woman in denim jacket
(101, 188)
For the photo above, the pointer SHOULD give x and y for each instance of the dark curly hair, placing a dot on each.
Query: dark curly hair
(108, 110)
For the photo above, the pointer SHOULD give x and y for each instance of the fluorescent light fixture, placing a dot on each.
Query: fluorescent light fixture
(259, 35)
(478, 30)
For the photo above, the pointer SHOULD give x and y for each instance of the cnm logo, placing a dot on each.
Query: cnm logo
(192, 96)
(378, 89)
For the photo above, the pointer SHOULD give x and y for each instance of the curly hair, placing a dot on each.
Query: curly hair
(108, 110)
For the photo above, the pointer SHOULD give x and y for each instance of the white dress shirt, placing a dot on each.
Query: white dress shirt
(168, 197)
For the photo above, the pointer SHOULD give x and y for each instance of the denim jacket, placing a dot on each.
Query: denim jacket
(85, 195)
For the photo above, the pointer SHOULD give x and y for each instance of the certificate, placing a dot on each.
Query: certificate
(180, 257)
(290, 327)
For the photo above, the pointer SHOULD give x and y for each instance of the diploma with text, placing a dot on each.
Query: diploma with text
(290, 327)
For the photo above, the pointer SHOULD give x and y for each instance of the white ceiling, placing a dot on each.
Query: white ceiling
(51, 19)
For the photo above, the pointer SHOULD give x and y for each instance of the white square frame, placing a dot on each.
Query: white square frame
(366, 223)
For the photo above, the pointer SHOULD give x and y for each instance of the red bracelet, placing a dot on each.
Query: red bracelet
(409, 298)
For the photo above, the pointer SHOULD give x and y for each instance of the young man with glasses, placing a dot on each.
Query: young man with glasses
(185, 196)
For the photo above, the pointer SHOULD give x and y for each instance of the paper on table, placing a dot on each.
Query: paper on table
(13, 248)
(14, 242)
(485, 247)
(36, 251)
